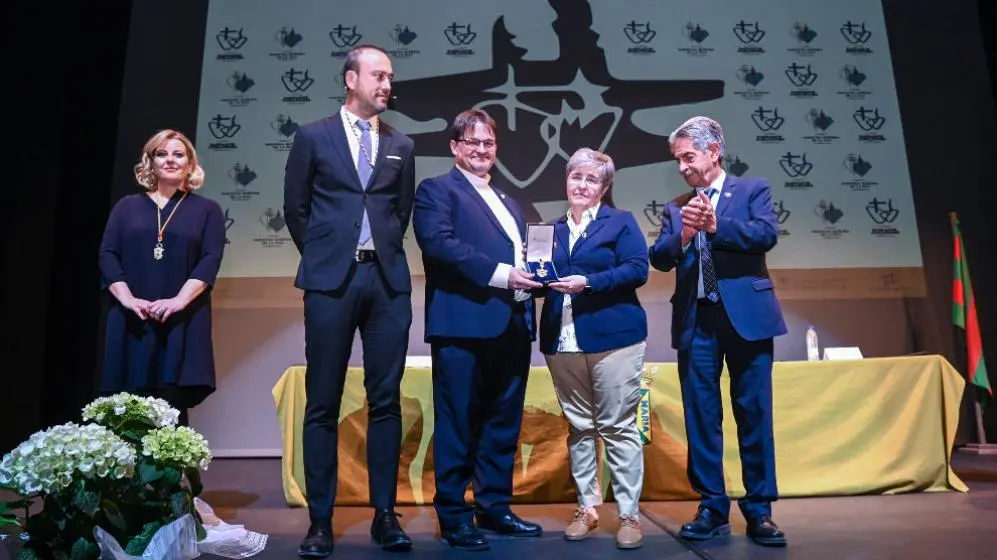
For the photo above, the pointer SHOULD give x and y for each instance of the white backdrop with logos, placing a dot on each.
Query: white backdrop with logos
(804, 90)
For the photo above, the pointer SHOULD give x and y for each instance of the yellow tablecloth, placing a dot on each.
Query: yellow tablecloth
(874, 426)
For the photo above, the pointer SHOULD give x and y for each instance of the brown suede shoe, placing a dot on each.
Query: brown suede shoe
(581, 526)
(630, 534)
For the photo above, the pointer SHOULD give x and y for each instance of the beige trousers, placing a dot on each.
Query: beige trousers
(598, 393)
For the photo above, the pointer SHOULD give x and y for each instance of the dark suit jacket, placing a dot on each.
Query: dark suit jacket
(462, 243)
(746, 231)
(324, 202)
(613, 257)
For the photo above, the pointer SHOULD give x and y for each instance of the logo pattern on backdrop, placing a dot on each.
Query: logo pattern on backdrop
(805, 95)
(545, 110)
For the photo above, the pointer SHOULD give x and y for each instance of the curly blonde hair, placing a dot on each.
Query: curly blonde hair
(144, 173)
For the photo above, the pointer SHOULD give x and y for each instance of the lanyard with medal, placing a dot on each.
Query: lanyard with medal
(158, 251)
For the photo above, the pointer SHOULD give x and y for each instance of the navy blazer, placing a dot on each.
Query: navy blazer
(612, 255)
(462, 243)
(324, 203)
(746, 231)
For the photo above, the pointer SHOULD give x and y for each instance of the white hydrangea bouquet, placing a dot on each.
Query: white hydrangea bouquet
(129, 471)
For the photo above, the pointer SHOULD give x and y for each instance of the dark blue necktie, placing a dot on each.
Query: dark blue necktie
(364, 170)
(710, 289)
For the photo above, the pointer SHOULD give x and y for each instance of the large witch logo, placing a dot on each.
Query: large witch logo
(545, 110)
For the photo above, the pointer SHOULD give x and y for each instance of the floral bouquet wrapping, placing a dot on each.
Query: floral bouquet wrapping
(124, 476)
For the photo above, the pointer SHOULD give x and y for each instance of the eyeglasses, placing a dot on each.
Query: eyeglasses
(475, 143)
(577, 179)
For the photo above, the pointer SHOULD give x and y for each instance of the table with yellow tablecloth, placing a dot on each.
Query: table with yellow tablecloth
(873, 426)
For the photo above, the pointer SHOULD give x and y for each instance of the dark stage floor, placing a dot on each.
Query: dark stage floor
(947, 525)
(911, 526)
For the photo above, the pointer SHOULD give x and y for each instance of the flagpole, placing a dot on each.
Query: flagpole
(982, 447)
(981, 433)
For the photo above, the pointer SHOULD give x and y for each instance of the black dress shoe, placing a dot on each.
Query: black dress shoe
(318, 542)
(465, 537)
(706, 525)
(387, 533)
(509, 524)
(765, 532)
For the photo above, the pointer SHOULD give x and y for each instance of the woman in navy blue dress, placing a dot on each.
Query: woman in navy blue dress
(159, 258)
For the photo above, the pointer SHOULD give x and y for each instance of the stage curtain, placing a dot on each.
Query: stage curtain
(873, 426)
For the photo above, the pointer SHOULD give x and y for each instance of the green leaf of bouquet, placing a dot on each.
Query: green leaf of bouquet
(83, 550)
(180, 504)
(201, 532)
(138, 544)
(132, 436)
(136, 427)
(27, 554)
(86, 501)
(114, 515)
(171, 477)
(194, 479)
(8, 520)
(149, 472)
(6, 507)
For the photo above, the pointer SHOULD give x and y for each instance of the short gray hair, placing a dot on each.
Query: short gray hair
(587, 157)
(703, 131)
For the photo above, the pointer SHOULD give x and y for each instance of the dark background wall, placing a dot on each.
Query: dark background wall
(88, 97)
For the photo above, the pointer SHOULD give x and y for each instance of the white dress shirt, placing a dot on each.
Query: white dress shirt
(567, 342)
(353, 139)
(500, 278)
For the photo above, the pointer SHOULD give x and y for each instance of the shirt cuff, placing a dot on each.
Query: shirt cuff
(500, 278)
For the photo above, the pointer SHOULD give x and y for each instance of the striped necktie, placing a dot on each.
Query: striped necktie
(364, 170)
(710, 289)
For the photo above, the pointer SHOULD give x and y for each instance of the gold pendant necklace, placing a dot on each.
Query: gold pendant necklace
(158, 251)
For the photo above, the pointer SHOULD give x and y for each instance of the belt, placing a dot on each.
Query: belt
(365, 255)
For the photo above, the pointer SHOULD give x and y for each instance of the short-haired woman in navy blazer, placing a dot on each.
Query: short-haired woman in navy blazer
(592, 334)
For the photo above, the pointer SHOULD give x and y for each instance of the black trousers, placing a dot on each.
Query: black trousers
(479, 386)
(383, 318)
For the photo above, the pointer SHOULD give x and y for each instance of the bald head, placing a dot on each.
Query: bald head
(367, 77)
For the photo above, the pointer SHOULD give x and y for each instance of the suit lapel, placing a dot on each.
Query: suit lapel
(337, 132)
(517, 216)
(384, 139)
(594, 226)
(726, 194)
(563, 234)
(476, 197)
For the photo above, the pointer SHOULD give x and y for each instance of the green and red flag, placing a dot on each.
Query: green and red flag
(964, 316)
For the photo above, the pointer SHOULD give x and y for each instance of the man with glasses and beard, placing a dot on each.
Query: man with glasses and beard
(480, 324)
(349, 185)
